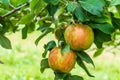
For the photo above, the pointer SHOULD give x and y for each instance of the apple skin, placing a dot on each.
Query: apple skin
(79, 37)
(62, 62)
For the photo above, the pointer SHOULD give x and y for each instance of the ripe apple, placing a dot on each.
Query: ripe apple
(79, 36)
(63, 62)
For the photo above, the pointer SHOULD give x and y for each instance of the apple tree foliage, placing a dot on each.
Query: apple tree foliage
(46, 16)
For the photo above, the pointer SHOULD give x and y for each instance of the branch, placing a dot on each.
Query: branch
(11, 6)
(13, 11)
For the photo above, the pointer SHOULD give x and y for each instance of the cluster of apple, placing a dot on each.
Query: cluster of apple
(79, 37)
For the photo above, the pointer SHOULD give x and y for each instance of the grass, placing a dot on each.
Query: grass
(23, 62)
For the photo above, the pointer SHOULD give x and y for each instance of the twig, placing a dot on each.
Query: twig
(13, 11)
(11, 6)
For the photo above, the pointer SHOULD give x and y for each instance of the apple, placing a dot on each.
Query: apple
(79, 37)
(63, 62)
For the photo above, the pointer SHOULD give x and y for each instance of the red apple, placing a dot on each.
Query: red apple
(63, 62)
(79, 36)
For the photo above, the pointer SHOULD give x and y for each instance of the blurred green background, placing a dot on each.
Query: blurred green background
(23, 61)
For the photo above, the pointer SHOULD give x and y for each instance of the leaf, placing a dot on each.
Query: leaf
(116, 22)
(37, 6)
(1, 62)
(52, 9)
(42, 28)
(5, 27)
(48, 47)
(58, 33)
(102, 19)
(33, 4)
(80, 14)
(100, 38)
(82, 65)
(71, 6)
(17, 3)
(98, 52)
(54, 2)
(3, 11)
(114, 2)
(59, 12)
(44, 25)
(5, 2)
(118, 9)
(105, 27)
(65, 49)
(31, 27)
(84, 56)
(24, 32)
(59, 75)
(95, 7)
(44, 64)
(43, 34)
(76, 77)
(5, 42)
(27, 18)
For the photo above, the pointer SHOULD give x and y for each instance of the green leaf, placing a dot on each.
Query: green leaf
(54, 2)
(1, 62)
(84, 56)
(3, 11)
(105, 27)
(24, 32)
(82, 65)
(102, 19)
(5, 2)
(33, 4)
(114, 2)
(100, 38)
(27, 18)
(44, 25)
(65, 49)
(5, 26)
(71, 6)
(59, 75)
(52, 9)
(44, 64)
(48, 47)
(5, 42)
(59, 12)
(43, 34)
(98, 52)
(31, 27)
(116, 22)
(17, 3)
(42, 28)
(80, 14)
(37, 6)
(76, 77)
(59, 33)
(118, 9)
(95, 7)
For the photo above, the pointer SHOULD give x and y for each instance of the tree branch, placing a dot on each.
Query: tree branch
(13, 11)
(11, 6)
